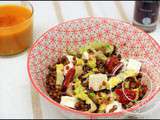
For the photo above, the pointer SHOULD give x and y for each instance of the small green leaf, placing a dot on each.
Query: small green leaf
(134, 101)
(108, 46)
(92, 94)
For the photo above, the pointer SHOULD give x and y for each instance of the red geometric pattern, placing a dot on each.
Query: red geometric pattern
(130, 41)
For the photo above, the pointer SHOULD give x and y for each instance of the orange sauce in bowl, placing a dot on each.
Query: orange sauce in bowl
(15, 29)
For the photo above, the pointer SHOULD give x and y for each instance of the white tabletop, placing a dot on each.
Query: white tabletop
(17, 97)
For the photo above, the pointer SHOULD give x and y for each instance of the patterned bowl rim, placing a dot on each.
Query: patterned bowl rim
(91, 115)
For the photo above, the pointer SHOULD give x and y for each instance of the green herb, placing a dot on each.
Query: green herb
(92, 94)
(134, 101)
(108, 46)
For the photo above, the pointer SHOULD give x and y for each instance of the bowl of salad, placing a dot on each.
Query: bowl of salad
(95, 67)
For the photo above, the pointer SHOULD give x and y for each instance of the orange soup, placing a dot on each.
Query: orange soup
(15, 29)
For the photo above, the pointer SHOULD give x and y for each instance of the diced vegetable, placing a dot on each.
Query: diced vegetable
(92, 94)
(81, 94)
(109, 49)
(69, 90)
(127, 73)
(105, 47)
(95, 70)
(59, 74)
(137, 93)
(79, 70)
(100, 56)
(102, 98)
(71, 52)
(114, 81)
(85, 55)
(102, 108)
(83, 49)
(92, 63)
(79, 62)
(97, 44)
(87, 74)
(113, 96)
(127, 84)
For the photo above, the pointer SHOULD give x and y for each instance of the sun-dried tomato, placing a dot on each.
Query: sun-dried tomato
(144, 89)
(113, 64)
(68, 78)
(125, 96)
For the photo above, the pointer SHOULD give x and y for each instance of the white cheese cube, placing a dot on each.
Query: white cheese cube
(68, 101)
(134, 65)
(114, 105)
(96, 81)
(85, 56)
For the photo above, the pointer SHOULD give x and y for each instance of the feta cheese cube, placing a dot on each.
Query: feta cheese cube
(131, 64)
(114, 105)
(85, 56)
(96, 81)
(68, 101)
(134, 65)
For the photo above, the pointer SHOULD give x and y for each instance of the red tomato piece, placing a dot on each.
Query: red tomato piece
(68, 78)
(125, 96)
(113, 63)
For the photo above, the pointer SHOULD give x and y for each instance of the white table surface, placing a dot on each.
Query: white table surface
(17, 97)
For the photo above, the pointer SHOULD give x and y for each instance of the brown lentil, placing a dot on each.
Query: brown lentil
(86, 69)
(115, 50)
(139, 76)
(104, 83)
(52, 89)
(64, 60)
(82, 106)
(130, 79)
(113, 109)
(119, 56)
(130, 105)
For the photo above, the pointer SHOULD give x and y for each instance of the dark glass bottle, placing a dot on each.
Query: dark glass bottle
(146, 14)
